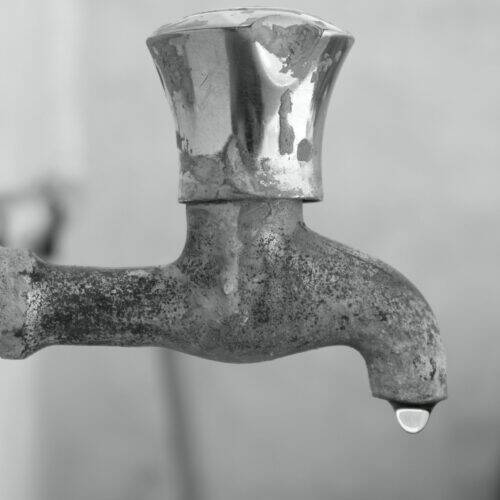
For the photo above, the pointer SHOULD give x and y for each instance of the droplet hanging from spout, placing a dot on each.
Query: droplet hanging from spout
(412, 419)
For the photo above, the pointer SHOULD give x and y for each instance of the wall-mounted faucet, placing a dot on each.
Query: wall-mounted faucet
(249, 90)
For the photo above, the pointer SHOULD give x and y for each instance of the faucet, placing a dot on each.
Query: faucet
(249, 90)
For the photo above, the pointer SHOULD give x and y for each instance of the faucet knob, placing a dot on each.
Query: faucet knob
(249, 90)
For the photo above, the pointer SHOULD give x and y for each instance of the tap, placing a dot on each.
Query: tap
(249, 89)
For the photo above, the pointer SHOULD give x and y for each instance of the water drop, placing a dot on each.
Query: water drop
(412, 420)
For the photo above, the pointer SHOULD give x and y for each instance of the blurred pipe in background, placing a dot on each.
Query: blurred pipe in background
(33, 217)
(181, 435)
(42, 165)
(25, 217)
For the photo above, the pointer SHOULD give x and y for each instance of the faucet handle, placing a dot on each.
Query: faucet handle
(249, 90)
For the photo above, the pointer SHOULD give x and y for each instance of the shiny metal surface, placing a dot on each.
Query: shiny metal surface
(249, 90)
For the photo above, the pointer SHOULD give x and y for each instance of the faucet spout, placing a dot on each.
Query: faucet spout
(286, 289)
(395, 331)
(253, 283)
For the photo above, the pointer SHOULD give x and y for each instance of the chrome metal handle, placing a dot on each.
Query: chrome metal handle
(249, 90)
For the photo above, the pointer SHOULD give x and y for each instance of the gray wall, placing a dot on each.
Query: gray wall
(411, 173)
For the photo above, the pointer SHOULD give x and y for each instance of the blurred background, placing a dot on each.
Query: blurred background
(411, 175)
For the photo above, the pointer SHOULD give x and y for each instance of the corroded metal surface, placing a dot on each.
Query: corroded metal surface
(249, 88)
(253, 283)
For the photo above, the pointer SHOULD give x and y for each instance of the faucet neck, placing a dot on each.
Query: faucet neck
(231, 224)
